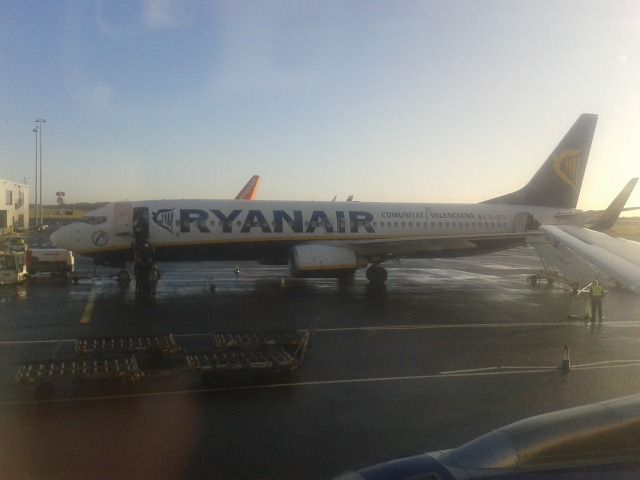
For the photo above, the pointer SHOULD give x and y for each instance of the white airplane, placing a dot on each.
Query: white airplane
(334, 239)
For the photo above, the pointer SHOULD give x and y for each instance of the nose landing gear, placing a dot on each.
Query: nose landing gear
(124, 277)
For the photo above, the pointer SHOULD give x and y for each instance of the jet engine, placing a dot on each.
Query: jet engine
(594, 441)
(323, 261)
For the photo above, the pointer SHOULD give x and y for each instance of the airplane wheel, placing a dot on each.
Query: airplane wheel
(532, 280)
(124, 277)
(376, 274)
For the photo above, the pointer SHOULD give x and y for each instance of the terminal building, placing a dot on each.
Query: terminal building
(14, 206)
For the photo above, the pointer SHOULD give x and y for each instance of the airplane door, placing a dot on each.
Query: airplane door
(520, 222)
(123, 218)
(141, 224)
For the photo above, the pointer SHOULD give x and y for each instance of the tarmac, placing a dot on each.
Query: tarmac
(448, 350)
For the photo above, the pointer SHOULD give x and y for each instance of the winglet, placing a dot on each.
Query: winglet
(610, 216)
(249, 191)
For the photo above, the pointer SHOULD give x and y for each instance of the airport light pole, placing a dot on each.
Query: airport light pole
(35, 203)
(40, 121)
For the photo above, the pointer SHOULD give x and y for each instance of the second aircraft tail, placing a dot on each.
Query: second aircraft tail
(610, 216)
(558, 181)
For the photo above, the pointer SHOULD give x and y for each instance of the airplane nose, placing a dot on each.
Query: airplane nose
(61, 238)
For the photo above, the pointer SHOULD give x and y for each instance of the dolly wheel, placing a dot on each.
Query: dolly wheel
(124, 277)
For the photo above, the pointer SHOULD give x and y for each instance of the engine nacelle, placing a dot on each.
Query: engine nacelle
(323, 261)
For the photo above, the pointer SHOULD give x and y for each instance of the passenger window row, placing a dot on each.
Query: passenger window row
(440, 224)
(374, 224)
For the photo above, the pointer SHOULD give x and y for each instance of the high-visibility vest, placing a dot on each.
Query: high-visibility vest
(596, 290)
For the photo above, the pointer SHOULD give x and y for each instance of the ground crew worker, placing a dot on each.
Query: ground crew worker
(141, 228)
(596, 292)
(143, 268)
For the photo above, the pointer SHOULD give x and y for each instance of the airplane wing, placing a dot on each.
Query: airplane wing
(250, 189)
(416, 247)
(589, 441)
(617, 257)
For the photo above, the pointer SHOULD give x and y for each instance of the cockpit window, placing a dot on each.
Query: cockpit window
(95, 220)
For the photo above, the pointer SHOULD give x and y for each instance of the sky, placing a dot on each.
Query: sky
(407, 101)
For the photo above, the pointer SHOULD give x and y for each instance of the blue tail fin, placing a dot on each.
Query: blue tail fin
(558, 181)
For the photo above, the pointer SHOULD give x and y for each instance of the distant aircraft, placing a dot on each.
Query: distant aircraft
(334, 239)
(249, 191)
(602, 220)
(594, 441)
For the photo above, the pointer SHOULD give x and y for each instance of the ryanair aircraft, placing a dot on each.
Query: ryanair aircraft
(334, 239)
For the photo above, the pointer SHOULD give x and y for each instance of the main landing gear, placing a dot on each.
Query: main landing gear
(376, 275)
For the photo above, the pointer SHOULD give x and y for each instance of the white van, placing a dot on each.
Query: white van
(50, 260)
(12, 268)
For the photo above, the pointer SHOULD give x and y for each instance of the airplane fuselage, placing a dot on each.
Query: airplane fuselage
(266, 230)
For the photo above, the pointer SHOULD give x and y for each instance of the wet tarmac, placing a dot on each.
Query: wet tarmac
(448, 350)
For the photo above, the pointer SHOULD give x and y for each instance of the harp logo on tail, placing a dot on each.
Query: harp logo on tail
(567, 167)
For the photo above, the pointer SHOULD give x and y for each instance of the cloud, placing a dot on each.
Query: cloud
(130, 18)
(118, 19)
(622, 58)
(158, 14)
(100, 96)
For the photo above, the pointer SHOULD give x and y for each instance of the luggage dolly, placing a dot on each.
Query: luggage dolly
(289, 339)
(245, 356)
(154, 352)
(108, 371)
(551, 276)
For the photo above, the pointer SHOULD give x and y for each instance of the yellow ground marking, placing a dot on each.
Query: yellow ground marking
(88, 309)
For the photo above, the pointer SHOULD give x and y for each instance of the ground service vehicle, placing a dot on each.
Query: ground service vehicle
(12, 268)
(50, 260)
